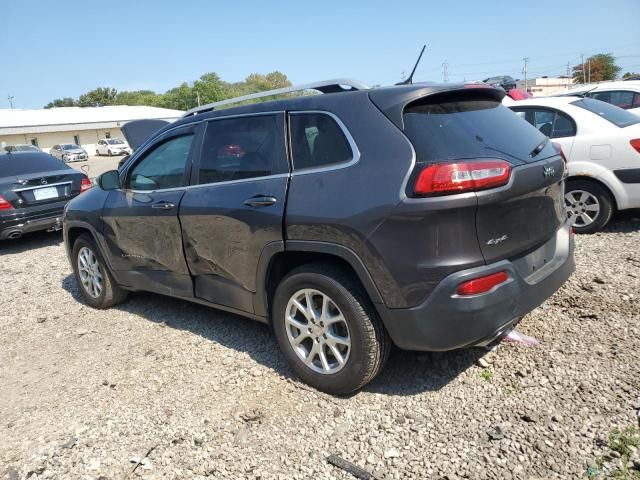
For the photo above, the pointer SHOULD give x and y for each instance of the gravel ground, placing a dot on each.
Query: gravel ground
(97, 165)
(190, 392)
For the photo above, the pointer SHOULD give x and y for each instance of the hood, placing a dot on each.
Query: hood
(137, 132)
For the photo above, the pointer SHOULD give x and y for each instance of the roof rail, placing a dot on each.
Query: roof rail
(325, 86)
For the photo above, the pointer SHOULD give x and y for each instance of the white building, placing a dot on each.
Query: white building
(545, 86)
(81, 125)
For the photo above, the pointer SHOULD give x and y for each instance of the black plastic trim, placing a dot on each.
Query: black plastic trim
(628, 175)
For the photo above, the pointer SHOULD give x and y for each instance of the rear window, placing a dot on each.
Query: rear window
(619, 117)
(27, 163)
(468, 128)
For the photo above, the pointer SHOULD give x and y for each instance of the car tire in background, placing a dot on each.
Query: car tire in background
(97, 153)
(589, 204)
(95, 282)
(342, 324)
(110, 153)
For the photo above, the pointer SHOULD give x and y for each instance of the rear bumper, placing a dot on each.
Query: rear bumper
(446, 321)
(51, 220)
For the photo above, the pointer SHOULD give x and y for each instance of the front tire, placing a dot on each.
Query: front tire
(94, 279)
(328, 330)
(110, 153)
(589, 205)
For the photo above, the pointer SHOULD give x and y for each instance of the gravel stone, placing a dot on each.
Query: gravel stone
(213, 396)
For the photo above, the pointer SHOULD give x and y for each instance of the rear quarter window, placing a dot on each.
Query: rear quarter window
(14, 164)
(317, 141)
(616, 115)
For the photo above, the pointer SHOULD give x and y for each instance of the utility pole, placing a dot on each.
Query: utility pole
(524, 72)
(589, 70)
(568, 69)
(198, 94)
(445, 72)
(584, 74)
(10, 98)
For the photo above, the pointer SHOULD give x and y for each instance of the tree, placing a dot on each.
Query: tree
(62, 102)
(596, 69)
(211, 88)
(138, 97)
(634, 75)
(98, 97)
(179, 98)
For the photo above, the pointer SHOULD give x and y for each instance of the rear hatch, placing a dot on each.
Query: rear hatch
(471, 125)
(36, 180)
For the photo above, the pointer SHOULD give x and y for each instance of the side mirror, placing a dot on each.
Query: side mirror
(109, 180)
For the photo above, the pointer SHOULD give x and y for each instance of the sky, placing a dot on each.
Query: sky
(63, 48)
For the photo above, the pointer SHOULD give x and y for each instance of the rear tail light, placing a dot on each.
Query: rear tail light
(458, 177)
(4, 205)
(482, 284)
(635, 143)
(85, 184)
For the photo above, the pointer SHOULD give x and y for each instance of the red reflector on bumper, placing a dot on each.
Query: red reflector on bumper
(482, 284)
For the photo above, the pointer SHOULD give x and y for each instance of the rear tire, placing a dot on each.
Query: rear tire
(96, 284)
(352, 366)
(589, 204)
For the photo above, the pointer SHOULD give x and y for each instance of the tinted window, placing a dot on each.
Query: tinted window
(444, 130)
(163, 167)
(25, 163)
(602, 96)
(244, 147)
(636, 101)
(621, 98)
(551, 123)
(617, 116)
(317, 140)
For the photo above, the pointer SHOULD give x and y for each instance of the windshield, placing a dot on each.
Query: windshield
(619, 117)
(115, 141)
(473, 128)
(70, 146)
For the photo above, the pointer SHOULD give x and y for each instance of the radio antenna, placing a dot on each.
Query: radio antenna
(409, 79)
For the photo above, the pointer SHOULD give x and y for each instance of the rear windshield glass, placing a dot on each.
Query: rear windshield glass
(619, 117)
(473, 128)
(13, 164)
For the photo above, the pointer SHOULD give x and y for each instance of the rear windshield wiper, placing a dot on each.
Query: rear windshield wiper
(539, 148)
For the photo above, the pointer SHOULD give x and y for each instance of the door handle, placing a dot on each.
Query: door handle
(260, 201)
(163, 206)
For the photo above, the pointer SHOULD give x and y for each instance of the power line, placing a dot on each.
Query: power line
(445, 72)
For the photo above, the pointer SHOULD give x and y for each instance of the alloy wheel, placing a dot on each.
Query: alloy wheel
(90, 272)
(317, 331)
(583, 207)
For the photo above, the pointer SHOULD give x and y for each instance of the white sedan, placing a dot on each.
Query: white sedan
(602, 145)
(112, 146)
(624, 94)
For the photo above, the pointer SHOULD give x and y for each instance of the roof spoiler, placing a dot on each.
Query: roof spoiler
(136, 132)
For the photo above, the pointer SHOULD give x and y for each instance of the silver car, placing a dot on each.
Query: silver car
(69, 152)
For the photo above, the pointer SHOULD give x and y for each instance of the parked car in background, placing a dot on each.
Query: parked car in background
(602, 145)
(69, 152)
(503, 81)
(23, 147)
(112, 146)
(34, 189)
(624, 94)
(426, 215)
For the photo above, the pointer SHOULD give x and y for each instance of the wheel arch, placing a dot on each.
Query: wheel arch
(596, 181)
(276, 261)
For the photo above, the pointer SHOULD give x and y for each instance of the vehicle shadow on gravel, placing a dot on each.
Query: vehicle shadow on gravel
(626, 221)
(406, 373)
(30, 241)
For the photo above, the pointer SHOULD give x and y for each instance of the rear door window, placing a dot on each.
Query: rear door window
(549, 122)
(450, 128)
(619, 117)
(621, 98)
(242, 147)
(317, 141)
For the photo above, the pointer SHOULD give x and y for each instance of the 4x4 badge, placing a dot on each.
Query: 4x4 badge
(548, 171)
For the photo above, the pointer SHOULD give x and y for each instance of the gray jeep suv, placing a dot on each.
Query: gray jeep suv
(425, 215)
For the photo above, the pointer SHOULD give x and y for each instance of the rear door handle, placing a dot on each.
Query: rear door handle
(163, 206)
(260, 201)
